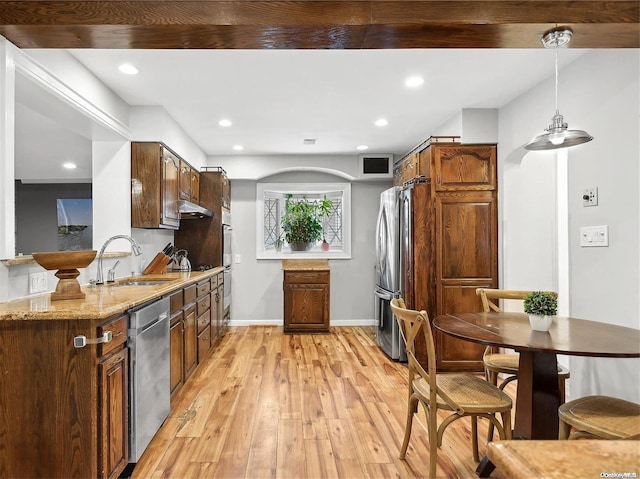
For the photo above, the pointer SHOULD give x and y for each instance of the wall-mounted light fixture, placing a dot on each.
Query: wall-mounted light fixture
(558, 135)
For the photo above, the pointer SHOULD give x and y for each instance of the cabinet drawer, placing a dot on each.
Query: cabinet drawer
(306, 277)
(118, 328)
(176, 301)
(203, 288)
(214, 281)
(220, 277)
(204, 344)
(204, 304)
(190, 294)
(204, 320)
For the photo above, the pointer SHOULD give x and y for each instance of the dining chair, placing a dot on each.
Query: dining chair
(602, 417)
(496, 362)
(463, 394)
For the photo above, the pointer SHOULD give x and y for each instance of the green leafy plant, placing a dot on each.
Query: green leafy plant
(302, 220)
(541, 303)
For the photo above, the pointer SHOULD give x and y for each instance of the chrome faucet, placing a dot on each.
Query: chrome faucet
(134, 247)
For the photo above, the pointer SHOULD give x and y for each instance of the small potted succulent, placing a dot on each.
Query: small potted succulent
(541, 306)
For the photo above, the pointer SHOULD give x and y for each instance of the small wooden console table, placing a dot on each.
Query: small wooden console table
(306, 295)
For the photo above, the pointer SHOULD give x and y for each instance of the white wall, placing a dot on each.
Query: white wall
(257, 284)
(598, 93)
(153, 123)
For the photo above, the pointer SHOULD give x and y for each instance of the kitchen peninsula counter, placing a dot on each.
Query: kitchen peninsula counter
(100, 302)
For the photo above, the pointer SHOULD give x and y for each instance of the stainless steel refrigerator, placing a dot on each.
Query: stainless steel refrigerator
(387, 270)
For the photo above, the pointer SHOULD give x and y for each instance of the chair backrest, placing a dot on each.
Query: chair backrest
(411, 324)
(497, 294)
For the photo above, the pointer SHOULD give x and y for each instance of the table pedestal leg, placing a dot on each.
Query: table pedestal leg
(538, 396)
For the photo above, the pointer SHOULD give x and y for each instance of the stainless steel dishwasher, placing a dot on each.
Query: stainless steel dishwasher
(149, 374)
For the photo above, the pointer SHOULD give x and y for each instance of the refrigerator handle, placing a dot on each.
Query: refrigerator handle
(383, 294)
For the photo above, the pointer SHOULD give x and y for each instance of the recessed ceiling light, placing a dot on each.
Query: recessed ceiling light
(381, 122)
(69, 166)
(238, 147)
(224, 122)
(414, 81)
(361, 147)
(309, 141)
(128, 69)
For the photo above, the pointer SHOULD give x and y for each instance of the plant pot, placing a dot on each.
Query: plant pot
(301, 246)
(540, 323)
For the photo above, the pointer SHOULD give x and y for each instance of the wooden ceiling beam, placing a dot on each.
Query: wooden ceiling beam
(316, 24)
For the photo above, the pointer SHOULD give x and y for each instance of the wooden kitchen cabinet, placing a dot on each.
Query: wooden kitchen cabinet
(189, 183)
(66, 408)
(176, 340)
(190, 331)
(203, 311)
(155, 172)
(306, 296)
(450, 242)
(215, 195)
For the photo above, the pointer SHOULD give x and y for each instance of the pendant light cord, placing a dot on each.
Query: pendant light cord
(556, 52)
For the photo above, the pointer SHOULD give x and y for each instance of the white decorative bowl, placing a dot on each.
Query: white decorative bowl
(540, 323)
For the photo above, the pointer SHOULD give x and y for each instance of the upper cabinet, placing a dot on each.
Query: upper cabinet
(155, 172)
(159, 180)
(226, 190)
(464, 167)
(189, 183)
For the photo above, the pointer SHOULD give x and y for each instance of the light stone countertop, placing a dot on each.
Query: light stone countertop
(102, 301)
(305, 264)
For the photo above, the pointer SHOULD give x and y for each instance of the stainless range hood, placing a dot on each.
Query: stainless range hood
(190, 210)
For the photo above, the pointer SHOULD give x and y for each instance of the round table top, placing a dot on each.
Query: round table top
(572, 336)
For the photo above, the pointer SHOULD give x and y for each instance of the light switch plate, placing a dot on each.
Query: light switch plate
(37, 282)
(238, 259)
(594, 236)
(590, 196)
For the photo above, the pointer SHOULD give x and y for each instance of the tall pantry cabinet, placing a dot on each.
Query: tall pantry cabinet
(449, 241)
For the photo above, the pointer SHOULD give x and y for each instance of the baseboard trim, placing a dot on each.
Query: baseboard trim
(278, 322)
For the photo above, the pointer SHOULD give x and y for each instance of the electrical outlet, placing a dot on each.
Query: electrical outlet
(590, 196)
(238, 259)
(37, 282)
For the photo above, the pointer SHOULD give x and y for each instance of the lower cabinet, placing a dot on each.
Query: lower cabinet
(196, 318)
(113, 427)
(306, 301)
(65, 408)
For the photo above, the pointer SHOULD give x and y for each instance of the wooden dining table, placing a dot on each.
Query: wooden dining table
(538, 396)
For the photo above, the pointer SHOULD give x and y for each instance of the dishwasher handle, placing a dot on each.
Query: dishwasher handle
(81, 341)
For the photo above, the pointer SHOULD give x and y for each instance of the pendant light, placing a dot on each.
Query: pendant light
(557, 135)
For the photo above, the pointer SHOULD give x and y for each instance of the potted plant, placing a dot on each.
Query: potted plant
(278, 242)
(541, 306)
(302, 221)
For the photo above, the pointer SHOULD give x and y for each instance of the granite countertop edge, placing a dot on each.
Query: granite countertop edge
(100, 302)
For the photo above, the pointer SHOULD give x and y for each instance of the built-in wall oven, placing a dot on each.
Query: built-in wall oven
(227, 233)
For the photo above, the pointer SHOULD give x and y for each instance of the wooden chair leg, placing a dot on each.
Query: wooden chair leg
(411, 409)
(432, 418)
(561, 385)
(474, 438)
(492, 377)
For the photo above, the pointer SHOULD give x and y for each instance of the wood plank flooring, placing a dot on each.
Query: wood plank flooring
(270, 405)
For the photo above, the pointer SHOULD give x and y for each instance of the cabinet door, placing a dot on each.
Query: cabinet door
(466, 230)
(195, 186)
(185, 181)
(190, 336)
(204, 344)
(464, 167)
(306, 302)
(176, 341)
(170, 179)
(113, 423)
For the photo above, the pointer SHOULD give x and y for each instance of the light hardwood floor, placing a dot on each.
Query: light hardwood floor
(270, 405)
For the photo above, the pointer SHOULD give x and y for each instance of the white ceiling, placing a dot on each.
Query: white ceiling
(278, 98)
